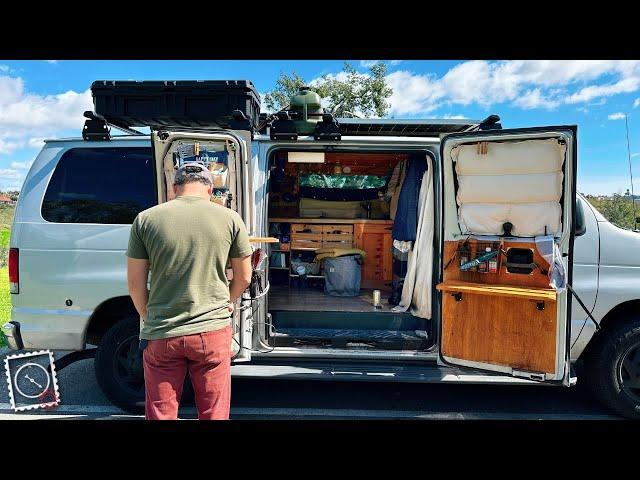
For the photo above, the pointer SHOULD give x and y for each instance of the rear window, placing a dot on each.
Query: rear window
(100, 185)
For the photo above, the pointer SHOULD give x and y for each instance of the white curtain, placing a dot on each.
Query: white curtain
(416, 291)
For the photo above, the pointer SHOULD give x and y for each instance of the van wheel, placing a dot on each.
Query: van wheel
(118, 365)
(612, 368)
(119, 370)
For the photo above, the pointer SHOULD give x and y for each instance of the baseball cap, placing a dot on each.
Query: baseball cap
(191, 170)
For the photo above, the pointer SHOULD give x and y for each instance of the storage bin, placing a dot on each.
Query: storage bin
(185, 103)
(342, 276)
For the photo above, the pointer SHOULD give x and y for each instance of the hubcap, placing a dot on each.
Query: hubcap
(128, 369)
(629, 372)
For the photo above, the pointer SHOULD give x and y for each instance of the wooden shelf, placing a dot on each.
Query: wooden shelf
(279, 268)
(308, 276)
(344, 221)
(498, 290)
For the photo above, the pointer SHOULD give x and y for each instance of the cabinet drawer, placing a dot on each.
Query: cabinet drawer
(306, 228)
(337, 229)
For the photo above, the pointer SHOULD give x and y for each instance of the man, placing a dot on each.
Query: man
(186, 314)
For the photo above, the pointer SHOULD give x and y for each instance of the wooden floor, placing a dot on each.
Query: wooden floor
(312, 299)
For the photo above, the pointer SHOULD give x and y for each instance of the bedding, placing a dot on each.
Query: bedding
(518, 182)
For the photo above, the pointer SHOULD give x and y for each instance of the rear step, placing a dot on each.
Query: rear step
(345, 338)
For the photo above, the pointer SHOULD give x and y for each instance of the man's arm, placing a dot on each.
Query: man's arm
(137, 276)
(241, 268)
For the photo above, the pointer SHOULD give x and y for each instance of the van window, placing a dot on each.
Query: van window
(100, 185)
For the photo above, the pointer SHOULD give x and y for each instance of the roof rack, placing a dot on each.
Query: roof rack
(96, 127)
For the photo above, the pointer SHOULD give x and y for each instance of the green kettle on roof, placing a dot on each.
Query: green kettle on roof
(307, 104)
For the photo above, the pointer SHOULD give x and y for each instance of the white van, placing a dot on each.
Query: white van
(500, 323)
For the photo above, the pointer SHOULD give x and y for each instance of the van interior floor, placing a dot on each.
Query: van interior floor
(307, 317)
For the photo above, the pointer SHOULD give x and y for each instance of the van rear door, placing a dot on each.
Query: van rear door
(507, 318)
(230, 147)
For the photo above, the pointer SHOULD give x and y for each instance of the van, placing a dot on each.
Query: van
(511, 276)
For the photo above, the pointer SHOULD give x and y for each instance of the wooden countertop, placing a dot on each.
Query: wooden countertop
(498, 290)
(346, 221)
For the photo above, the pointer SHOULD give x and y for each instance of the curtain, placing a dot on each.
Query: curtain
(416, 291)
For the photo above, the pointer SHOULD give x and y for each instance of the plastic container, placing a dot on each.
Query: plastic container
(183, 103)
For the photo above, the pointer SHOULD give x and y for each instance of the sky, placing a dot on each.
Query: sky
(46, 98)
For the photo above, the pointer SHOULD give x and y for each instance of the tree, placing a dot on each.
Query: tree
(348, 93)
(618, 209)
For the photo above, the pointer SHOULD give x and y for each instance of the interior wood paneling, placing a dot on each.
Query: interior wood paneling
(360, 163)
(376, 241)
(503, 330)
(502, 277)
(496, 319)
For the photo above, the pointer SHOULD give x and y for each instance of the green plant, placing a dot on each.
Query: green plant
(347, 93)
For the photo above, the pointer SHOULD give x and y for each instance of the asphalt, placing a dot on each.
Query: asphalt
(81, 398)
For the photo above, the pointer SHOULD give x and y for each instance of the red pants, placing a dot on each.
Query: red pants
(207, 357)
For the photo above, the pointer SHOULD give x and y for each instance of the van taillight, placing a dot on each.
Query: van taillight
(14, 276)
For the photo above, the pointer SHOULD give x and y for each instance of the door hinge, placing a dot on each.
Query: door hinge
(530, 375)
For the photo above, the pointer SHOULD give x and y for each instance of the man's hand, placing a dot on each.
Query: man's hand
(241, 276)
(137, 276)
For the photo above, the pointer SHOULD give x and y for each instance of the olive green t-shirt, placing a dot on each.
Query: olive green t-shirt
(188, 242)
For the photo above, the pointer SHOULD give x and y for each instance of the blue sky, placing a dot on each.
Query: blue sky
(44, 99)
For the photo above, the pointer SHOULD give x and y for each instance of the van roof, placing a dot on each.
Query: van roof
(370, 127)
(431, 127)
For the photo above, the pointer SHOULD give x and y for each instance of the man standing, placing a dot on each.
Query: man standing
(187, 312)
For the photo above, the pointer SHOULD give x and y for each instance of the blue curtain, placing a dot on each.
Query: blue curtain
(405, 223)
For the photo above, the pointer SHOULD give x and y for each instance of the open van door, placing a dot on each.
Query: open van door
(229, 151)
(507, 220)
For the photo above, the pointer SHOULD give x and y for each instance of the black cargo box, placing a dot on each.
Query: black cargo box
(184, 103)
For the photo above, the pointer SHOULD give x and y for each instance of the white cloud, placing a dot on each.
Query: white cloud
(36, 142)
(636, 102)
(12, 178)
(413, 94)
(4, 68)
(395, 62)
(22, 165)
(368, 63)
(26, 118)
(53, 62)
(449, 116)
(535, 99)
(616, 116)
(635, 155)
(525, 84)
(626, 85)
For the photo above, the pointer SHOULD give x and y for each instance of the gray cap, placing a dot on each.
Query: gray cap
(193, 171)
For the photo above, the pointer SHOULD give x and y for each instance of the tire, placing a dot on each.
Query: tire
(612, 368)
(118, 366)
(117, 347)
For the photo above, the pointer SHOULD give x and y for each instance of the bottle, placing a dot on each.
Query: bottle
(483, 267)
(493, 265)
(464, 255)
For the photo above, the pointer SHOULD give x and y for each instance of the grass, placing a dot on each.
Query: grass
(6, 219)
(5, 300)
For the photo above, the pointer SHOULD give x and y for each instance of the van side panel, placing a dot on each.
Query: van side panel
(66, 269)
(586, 259)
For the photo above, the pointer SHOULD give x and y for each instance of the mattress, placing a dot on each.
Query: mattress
(517, 182)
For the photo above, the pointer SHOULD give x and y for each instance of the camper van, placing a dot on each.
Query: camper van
(385, 249)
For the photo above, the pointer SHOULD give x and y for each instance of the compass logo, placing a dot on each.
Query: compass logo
(32, 380)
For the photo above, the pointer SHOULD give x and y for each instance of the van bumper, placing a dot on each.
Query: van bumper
(11, 331)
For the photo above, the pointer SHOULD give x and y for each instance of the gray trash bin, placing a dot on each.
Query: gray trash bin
(342, 276)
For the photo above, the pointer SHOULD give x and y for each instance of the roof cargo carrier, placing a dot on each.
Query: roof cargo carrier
(184, 103)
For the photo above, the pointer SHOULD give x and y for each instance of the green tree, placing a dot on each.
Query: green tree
(346, 94)
(618, 209)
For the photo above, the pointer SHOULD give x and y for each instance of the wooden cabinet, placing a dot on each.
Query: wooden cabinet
(375, 240)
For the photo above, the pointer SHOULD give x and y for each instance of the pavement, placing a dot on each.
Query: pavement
(81, 398)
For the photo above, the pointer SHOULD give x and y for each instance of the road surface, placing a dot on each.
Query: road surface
(81, 398)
